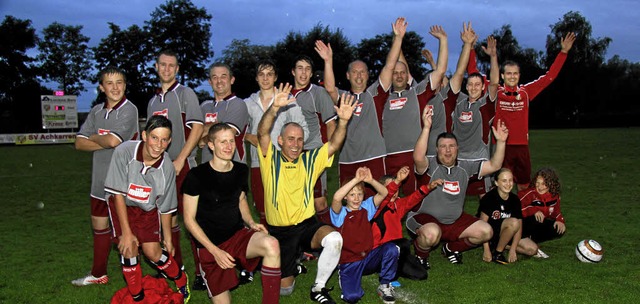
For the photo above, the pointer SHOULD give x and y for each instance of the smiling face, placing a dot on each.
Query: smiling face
(354, 197)
(291, 141)
(358, 76)
(504, 182)
(400, 76)
(447, 151)
(511, 75)
(541, 185)
(475, 86)
(113, 86)
(156, 142)
(302, 73)
(223, 144)
(167, 68)
(221, 80)
(266, 78)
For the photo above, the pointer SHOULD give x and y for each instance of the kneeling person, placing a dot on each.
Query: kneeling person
(141, 193)
(216, 212)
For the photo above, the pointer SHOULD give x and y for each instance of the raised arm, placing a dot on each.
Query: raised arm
(494, 74)
(381, 190)
(281, 99)
(495, 163)
(386, 75)
(469, 38)
(443, 55)
(567, 42)
(326, 53)
(428, 56)
(345, 111)
(420, 149)
(336, 203)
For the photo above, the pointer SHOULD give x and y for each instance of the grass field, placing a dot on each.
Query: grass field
(43, 249)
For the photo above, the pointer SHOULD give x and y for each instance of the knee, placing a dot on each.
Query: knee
(332, 240)
(391, 251)
(272, 246)
(512, 223)
(485, 232)
(428, 236)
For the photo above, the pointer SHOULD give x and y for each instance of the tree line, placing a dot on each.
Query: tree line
(580, 97)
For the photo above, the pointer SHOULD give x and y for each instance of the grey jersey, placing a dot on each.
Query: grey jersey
(470, 125)
(401, 119)
(233, 111)
(438, 120)
(317, 107)
(446, 202)
(145, 187)
(120, 121)
(180, 105)
(290, 113)
(364, 138)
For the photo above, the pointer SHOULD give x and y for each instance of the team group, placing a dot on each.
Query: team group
(427, 140)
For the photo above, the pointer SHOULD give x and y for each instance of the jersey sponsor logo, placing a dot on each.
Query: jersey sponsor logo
(358, 110)
(466, 117)
(138, 193)
(397, 104)
(511, 106)
(164, 113)
(496, 215)
(103, 131)
(452, 188)
(211, 117)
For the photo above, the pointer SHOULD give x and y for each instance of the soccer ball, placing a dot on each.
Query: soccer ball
(589, 251)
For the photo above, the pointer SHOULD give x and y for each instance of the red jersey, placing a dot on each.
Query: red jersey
(533, 202)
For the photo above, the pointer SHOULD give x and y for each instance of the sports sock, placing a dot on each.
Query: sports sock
(421, 252)
(461, 245)
(170, 267)
(270, 284)
(101, 248)
(329, 258)
(175, 240)
(132, 273)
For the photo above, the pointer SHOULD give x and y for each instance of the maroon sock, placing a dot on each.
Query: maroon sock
(132, 273)
(419, 251)
(175, 240)
(270, 284)
(461, 245)
(170, 267)
(324, 216)
(101, 248)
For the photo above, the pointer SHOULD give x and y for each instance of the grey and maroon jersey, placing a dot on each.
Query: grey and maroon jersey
(232, 111)
(364, 137)
(145, 187)
(317, 107)
(438, 120)
(291, 113)
(120, 121)
(471, 126)
(180, 105)
(401, 118)
(446, 202)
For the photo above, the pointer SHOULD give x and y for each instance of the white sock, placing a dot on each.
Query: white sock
(328, 260)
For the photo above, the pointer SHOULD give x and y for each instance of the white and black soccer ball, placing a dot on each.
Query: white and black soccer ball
(589, 251)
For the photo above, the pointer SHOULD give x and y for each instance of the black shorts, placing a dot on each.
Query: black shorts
(294, 239)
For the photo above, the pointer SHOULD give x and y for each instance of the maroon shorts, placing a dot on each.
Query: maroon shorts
(478, 186)
(257, 190)
(145, 225)
(99, 208)
(179, 180)
(517, 158)
(219, 280)
(348, 171)
(450, 232)
(394, 162)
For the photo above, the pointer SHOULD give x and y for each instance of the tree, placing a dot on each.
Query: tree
(130, 51)
(373, 52)
(15, 65)
(242, 57)
(182, 27)
(64, 57)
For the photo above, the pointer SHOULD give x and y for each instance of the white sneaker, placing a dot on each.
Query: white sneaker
(541, 254)
(387, 294)
(90, 280)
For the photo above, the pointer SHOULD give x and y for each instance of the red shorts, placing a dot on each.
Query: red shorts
(99, 208)
(219, 280)
(145, 225)
(450, 232)
(257, 190)
(394, 162)
(517, 158)
(179, 180)
(348, 171)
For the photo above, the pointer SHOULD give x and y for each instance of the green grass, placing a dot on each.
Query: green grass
(42, 250)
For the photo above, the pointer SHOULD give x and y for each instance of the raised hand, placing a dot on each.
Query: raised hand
(429, 57)
(427, 117)
(324, 50)
(567, 42)
(468, 35)
(399, 27)
(500, 132)
(438, 32)
(348, 103)
(283, 96)
(492, 47)
(361, 173)
(402, 174)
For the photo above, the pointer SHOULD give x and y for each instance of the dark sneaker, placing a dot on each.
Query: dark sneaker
(387, 294)
(498, 258)
(321, 296)
(198, 283)
(184, 290)
(424, 262)
(454, 257)
(246, 277)
(300, 269)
